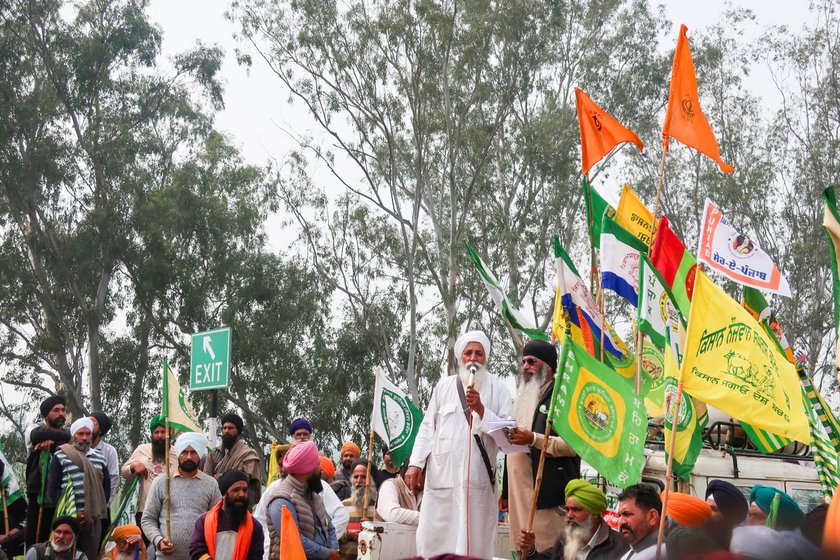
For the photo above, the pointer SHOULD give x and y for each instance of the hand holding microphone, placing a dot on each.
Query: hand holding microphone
(472, 397)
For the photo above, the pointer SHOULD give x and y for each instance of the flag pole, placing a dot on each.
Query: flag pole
(658, 191)
(549, 424)
(367, 477)
(670, 470)
(5, 510)
(167, 498)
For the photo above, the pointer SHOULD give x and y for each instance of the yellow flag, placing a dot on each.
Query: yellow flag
(176, 406)
(633, 215)
(730, 363)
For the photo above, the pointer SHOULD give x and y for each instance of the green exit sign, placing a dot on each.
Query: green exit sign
(210, 360)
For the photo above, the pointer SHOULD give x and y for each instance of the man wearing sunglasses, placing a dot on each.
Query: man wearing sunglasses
(534, 386)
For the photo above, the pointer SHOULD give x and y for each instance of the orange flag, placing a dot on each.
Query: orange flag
(290, 545)
(599, 132)
(684, 121)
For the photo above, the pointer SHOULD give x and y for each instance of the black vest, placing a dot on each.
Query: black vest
(557, 471)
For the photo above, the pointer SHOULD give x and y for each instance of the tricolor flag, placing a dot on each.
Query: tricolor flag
(634, 216)
(675, 264)
(395, 418)
(597, 413)
(684, 120)
(734, 255)
(514, 316)
(9, 485)
(176, 408)
(576, 297)
(620, 254)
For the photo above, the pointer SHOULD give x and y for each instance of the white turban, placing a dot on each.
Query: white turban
(83, 422)
(472, 336)
(191, 439)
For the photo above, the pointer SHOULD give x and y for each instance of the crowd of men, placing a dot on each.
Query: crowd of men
(210, 503)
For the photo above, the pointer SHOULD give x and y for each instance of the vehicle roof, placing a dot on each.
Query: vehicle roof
(718, 464)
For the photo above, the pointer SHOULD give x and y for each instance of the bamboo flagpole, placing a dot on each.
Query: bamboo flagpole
(167, 498)
(369, 469)
(5, 511)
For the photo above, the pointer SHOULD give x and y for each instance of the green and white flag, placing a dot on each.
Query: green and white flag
(66, 504)
(656, 307)
(126, 514)
(395, 418)
(514, 316)
(175, 404)
(11, 488)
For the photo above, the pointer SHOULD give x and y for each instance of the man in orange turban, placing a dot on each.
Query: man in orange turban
(129, 543)
(687, 510)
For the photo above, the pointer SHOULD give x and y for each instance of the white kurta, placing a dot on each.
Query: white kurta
(442, 446)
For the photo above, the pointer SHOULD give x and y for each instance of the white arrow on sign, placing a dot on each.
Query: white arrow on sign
(209, 349)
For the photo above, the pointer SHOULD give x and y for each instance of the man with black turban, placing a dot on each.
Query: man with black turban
(534, 387)
(227, 531)
(149, 461)
(729, 509)
(63, 544)
(41, 442)
(234, 455)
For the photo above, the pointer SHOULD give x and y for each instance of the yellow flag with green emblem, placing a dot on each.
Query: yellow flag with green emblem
(731, 364)
(634, 216)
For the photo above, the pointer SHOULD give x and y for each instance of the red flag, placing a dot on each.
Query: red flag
(676, 265)
(599, 132)
(684, 120)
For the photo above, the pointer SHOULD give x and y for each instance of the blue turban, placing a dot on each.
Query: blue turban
(730, 501)
(300, 424)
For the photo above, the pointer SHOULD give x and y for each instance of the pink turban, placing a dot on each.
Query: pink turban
(302, 458)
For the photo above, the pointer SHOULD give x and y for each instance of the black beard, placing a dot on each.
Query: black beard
(56, 423)
(158, 450)
(236, 511)
(188, 466)
(228, 441)
(314, 485)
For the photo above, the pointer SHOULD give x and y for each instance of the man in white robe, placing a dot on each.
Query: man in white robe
(455, 469)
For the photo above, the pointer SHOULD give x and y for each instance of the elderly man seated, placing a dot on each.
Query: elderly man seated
(129, 543)
(586, 535)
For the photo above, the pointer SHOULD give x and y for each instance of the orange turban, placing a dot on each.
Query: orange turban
(350, 446)
(327, 466)
(687, 510)
(124, 531)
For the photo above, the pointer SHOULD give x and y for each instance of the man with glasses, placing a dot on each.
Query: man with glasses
(534, 386)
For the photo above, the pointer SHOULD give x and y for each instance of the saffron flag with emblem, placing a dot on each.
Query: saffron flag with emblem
(599, 132)
(684, 120)
(734, 255)
(633, 215)
(576, 297)
(395, 418)
(620, 254)
(510, 312)
(656, 304)
(596, 209)
(9, 484)
(689, 438)
(176, 407)
(599, 416)
(675, 264)
(831, 224)
(731, 364)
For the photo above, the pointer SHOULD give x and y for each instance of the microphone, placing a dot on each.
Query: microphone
(473, 369)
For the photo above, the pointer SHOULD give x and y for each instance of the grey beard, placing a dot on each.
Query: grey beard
(125, 555)
(60, 547)
(81, 446)
(358, 496)
(528, 397)
(480, 375)
(577, 537)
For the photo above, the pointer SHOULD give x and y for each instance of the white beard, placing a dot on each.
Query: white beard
(528, 398)
(577, 537)
(480, 375)
(60, 547)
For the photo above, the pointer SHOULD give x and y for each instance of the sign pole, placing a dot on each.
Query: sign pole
(214, 411)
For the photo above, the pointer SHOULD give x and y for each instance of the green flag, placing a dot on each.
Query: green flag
(126, 514)
(395, 418)
(597, 413)
(831, 223)
(689, 438)
(514, 316)
(66, 504)
(596, 207)
(9, 485)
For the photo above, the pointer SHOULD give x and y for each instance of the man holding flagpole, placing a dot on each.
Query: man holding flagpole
(459, 513)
